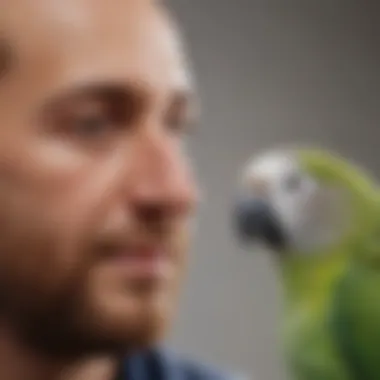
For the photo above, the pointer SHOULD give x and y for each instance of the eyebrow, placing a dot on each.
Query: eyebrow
(111, 92)
(108, 90)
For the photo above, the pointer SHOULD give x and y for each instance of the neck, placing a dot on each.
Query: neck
(19, 362)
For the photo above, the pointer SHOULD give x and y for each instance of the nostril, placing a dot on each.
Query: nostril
(156, 218)
(151, 214)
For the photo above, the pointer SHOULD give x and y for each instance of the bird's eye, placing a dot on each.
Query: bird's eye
(293, 182)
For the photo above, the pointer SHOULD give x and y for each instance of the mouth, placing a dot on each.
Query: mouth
(142, 261)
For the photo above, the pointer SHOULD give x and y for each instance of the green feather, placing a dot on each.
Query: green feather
(318, 345)
(356, 320)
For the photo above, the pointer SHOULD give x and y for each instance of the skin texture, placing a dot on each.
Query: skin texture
(93, 112)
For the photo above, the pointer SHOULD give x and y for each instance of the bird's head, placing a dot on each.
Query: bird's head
(304, 201)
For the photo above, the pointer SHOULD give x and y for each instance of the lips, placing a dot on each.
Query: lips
(139, 261)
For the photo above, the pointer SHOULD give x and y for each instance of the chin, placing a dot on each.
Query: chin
(129, 323)
(146, 325)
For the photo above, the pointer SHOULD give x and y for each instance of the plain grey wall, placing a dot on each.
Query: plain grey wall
(269, 71)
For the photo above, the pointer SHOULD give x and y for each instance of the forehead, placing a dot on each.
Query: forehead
(63, 44)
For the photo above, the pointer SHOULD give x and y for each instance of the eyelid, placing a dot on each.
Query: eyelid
(106, 96)
(107, 109)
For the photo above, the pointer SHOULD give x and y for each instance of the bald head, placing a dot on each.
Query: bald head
(93, 109)
(47, 36)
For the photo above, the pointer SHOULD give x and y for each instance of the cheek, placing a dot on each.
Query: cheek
(49, 179)
(47, 213)
(37, 247)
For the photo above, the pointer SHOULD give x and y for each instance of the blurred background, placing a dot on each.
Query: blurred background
(269, 72)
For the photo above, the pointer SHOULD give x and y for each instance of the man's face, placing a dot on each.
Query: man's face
(95, 190)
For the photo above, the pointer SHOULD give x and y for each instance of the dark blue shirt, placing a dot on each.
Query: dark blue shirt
(161, 364)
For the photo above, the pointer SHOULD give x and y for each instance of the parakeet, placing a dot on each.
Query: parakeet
(319, 216)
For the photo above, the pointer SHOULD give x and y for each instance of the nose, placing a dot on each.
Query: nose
(161, 186)
(256, 220)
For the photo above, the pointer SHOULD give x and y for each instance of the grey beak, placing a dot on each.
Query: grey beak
(256, 220)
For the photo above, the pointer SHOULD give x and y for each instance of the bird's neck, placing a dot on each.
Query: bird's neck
(310, 279)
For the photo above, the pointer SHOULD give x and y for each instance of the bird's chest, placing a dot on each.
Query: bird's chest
(307, 343)
(309, 346)
(357, 320)
(302, 332)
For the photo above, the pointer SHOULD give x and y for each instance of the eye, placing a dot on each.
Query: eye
(180, 117)
(90, 126)
(88, 120)
(91, 115)
(176, 123)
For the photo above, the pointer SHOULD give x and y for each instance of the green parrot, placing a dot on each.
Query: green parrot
(319, 216)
